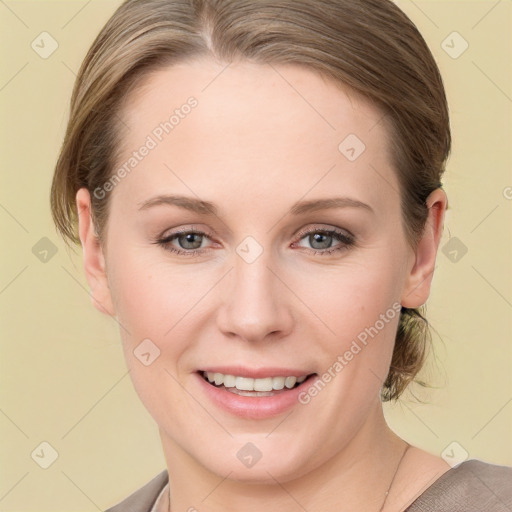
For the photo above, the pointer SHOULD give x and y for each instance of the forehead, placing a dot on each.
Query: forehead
(212, 124)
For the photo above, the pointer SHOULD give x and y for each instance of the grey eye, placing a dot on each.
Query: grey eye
(190, 241)
(320, 240)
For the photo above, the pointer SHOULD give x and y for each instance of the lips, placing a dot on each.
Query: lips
(253, 394)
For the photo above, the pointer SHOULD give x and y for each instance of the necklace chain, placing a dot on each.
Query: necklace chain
(385, 497)
(393, 479)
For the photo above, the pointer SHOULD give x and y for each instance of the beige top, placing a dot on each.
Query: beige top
(472, 486)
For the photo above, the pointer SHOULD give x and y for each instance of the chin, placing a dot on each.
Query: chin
(260, 462)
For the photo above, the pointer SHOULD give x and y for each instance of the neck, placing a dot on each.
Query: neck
(353, 479)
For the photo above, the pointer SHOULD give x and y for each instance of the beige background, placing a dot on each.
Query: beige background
(63, 377)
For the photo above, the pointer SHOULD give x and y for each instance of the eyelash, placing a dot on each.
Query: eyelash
(347, 241)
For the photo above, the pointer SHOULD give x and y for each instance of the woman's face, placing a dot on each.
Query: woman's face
(258, 235)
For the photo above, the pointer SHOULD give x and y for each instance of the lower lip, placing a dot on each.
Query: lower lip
(257, 407)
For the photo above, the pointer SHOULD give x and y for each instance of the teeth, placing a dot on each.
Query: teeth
(249, 384)
(263, 384)
(244, 384)
(229, 381)
(278, 382)
(289, 382)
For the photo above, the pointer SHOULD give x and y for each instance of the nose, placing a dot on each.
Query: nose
(255, 303)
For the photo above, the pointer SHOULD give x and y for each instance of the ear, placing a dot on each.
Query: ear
(94, 261)
(419, 279)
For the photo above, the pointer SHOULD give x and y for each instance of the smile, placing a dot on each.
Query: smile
(253, 393)
(236, 383)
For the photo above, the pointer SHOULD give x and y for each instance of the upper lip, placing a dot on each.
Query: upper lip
(256, 373)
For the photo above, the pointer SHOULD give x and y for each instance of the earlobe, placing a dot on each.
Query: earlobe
(419, 279)
(93, 257)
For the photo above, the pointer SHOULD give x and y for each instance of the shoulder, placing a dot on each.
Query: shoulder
(143, 499)
(471, 486)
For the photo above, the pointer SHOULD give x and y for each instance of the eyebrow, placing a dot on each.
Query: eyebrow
(208, 208)
(188, 203)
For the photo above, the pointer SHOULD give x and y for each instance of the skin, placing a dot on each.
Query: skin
(260, 139)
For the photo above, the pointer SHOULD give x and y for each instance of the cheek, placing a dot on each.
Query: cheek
(148, 303)
(359, 307)
(150, 295)
(151, 307)
(349, 298)
(162, 308)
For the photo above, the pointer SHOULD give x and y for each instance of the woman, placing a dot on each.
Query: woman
(256, 187)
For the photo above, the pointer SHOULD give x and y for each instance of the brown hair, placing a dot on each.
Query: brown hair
(369, 46)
